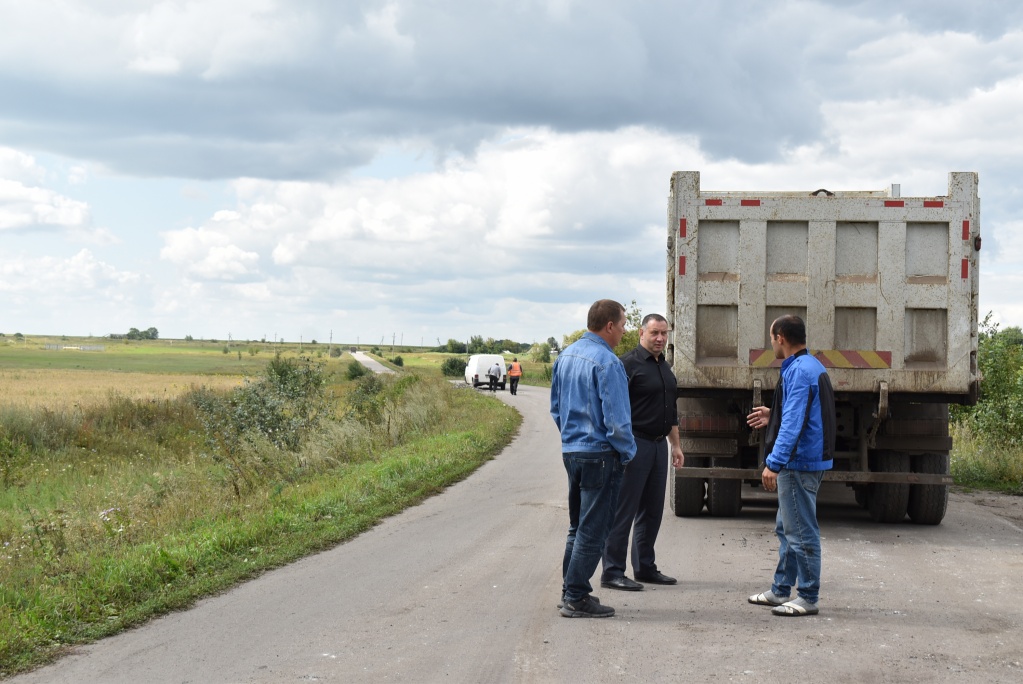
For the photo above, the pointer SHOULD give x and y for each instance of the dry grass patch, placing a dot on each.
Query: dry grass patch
(65, 388)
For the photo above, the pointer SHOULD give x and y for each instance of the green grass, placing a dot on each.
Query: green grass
(132, 517)
(976, 463)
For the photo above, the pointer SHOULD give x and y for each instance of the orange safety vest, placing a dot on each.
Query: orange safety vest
(515, 370)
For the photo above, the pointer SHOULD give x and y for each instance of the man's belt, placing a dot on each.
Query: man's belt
(648, 437)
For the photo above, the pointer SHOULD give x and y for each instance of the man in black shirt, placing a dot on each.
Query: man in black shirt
(641, 497)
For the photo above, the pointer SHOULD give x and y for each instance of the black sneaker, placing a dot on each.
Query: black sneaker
(591, 597)
(585, 607)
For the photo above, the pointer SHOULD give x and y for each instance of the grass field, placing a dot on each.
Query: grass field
(119, 500)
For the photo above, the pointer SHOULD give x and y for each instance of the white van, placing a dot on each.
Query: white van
(479, 364)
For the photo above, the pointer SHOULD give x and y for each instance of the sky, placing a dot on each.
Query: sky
(417, 171)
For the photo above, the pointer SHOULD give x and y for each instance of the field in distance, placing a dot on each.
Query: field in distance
(33, 375)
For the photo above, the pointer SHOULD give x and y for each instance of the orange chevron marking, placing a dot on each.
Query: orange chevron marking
(829, 358)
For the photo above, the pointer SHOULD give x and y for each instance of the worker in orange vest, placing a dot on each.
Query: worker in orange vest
(514, 373)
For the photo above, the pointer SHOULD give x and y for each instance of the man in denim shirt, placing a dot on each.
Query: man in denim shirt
(590, 406)
(800, 447)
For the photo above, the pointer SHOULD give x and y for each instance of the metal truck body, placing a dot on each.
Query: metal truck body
(888, 288)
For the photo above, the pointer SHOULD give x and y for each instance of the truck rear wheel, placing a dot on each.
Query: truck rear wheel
(928, 503)
(888, 502)
(724, 497)
(686, 493)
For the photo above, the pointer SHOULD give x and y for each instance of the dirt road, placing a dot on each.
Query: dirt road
(463, 589)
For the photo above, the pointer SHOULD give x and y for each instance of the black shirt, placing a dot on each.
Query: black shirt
(651, 393)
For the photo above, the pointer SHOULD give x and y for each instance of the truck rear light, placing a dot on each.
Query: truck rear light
(933, 204)
(681, 265)
(681, 227)
(966, 229)
(966, 269)
(894, 203)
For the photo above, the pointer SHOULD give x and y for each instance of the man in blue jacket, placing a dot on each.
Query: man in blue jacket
(590, 406)
(800, 446)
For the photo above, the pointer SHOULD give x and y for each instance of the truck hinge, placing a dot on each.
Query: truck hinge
(879, 415)
(754, 435)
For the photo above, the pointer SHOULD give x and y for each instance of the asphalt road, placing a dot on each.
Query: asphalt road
(463, 589)
(370, 363)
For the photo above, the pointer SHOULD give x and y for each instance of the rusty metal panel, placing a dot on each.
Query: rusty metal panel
(716, 447)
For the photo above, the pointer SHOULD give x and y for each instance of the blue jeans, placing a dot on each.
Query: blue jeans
(593, 483)
(799, 550)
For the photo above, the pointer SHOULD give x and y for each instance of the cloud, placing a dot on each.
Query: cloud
(27, 207)
(456, 168)
(71, 294)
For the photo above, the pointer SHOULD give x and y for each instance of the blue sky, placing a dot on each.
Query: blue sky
(438, 170)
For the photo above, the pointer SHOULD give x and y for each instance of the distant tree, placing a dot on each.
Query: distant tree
(553, 344)
(19, 337)
(227, 349)
(477, 345)
(455, 347)
(188, 338)
(541, 353)
(1012, 335)
(152, 334)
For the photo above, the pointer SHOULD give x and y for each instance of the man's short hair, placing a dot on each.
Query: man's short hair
(652, 317)
(791, 327)
(602, 312)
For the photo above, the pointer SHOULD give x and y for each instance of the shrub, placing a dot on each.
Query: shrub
(398, 361)
(453, 367)
(335, 352)
(998, 415)
(356, 370)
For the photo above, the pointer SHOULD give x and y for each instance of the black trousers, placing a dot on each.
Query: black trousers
(493, 383)
(514, 380)
(640, 508)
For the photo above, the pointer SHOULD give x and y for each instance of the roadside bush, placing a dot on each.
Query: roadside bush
(355, 371)
(335, 352)
(453, 367)
(398, 361)
(998, 415)
(251, 429)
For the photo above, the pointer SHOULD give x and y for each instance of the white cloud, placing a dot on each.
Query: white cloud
(23, 206)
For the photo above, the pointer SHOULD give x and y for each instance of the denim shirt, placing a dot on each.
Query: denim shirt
(590, 399)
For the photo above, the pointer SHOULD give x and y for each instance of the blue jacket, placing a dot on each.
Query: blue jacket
(801, 431)
(590, 399)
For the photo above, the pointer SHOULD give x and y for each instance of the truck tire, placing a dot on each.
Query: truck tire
(928, 503)
(685, 494)
(888, 502)
(724, 497)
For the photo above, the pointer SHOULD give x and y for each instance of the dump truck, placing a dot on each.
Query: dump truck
(887, 286)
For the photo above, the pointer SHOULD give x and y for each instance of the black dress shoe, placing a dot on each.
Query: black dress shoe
(623, 583)
(656, 577)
